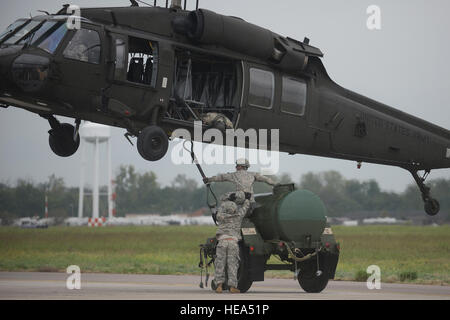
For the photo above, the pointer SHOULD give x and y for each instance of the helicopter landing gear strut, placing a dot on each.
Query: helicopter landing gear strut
(431, 205)
(64, 138)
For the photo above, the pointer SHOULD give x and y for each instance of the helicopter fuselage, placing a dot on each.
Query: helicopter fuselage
(137, 67)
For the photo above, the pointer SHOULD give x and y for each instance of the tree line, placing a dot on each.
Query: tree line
(141, 193)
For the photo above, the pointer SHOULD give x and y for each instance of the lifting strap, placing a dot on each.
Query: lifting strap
(212, 206)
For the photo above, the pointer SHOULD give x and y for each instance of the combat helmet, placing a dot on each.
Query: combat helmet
(240, 197)
(243, 163)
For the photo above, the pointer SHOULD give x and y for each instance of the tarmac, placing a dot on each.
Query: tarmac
(101, 286)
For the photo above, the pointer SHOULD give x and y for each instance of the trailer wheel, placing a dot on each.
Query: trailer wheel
(312, 283)
(244, 282)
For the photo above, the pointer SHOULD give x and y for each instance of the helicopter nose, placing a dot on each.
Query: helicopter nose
(5, 63)
(30, 72)
(7, 56)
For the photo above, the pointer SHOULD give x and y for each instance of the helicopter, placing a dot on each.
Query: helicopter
(154, 69)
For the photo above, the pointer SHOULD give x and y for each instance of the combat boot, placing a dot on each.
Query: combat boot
(219, 288)
(234, 290)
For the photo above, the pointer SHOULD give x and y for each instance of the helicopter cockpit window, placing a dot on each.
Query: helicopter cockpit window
(52, 39)
(25, 29)
(85, 46)
(142, 61)
(11, 28)
(47, 34)
(293, 98)
(261, 89)
(34, 35)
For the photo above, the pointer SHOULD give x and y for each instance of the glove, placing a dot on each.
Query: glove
(248, 195)
(232, 197)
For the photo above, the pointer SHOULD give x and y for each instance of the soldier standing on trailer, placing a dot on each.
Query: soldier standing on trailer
(242, 178)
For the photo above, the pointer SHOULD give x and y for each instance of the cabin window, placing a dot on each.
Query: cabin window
(142, 61)
(293, 98)
(261, 89)
(85, 46)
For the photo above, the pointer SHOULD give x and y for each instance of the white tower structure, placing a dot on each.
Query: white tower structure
(95, 134)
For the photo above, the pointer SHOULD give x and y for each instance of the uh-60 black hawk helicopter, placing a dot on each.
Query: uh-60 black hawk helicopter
(153, 69)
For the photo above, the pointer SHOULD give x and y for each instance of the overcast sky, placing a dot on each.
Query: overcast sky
(404, 65)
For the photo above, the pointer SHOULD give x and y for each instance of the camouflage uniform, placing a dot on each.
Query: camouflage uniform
(229, 218)
(212, 117)
(243, 180)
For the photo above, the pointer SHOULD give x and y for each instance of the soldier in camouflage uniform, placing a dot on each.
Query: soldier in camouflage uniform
(242, 178)
(218, 120)
(229, 217)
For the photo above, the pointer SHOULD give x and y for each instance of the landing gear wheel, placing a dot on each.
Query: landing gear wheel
(312, 283)
(244, 282)
(62, 142)
(152, 143)
(432, 207)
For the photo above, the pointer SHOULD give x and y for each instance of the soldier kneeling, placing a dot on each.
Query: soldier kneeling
(229, 218)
